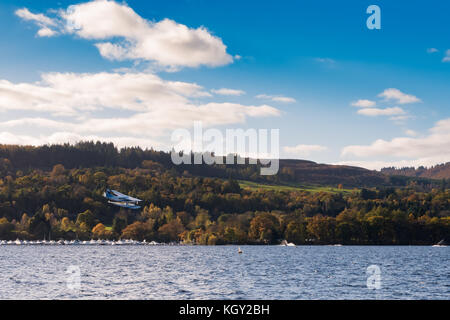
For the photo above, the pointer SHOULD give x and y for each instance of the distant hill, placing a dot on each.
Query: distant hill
(309, 172)
(440, 171)
(292, 172)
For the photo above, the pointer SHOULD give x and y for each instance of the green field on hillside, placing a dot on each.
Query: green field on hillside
(291, 187)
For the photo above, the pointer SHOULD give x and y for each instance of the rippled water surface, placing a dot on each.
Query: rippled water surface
(197, 272)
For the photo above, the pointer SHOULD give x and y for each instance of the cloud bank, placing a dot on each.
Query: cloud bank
(228, 92)
(428, 150)
(397, 96)
(122, 34)
(133, 105)
(276, 98)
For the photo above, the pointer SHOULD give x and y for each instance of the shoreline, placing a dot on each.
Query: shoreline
(138, 243)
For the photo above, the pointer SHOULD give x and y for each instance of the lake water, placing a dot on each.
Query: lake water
(201, 272)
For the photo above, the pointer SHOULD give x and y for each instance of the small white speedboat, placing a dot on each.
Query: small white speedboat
(290, 244)
(284, 243)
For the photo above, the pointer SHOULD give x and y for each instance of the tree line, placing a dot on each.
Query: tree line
(67, 203)
(91, 154)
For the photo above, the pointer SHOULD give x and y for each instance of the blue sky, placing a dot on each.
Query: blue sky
(319, 55)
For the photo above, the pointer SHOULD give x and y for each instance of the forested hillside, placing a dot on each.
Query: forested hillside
(440, 171)
(57, 191)
(92, 155)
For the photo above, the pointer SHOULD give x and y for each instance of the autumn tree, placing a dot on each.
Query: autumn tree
(171, 231)
(137, 231)
(100, 232)
(87, 218)
(322, 228)
(264, 228)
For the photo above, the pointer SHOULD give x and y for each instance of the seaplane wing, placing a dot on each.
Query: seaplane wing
(114, 195)
(125, 197)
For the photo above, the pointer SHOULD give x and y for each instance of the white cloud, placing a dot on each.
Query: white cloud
(432, 50)
(397, 96)
(447, 56)
(134, 105)
(166, 42)
(41, 20)
(228, 92)
(410, 133)
(155, 122)
(374, 112)
(327, 61)
(428, 150)
(276, 98)
(303, 149)
(25, 14)
(70, 137)
(284, 99)
(400, 119)
(127, 36)
(37, 122)
(364, 103)
(68, 93)
(46, 32)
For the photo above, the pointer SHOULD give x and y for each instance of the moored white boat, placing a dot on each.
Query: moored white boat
(284, 243)
(441, 244)
(290, 244)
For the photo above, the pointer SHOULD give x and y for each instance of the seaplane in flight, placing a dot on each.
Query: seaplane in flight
(121, 200)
